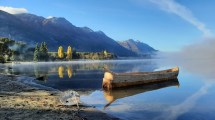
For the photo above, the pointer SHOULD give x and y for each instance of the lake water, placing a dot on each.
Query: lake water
(191, 97)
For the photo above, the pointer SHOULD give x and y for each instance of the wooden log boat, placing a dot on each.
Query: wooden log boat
(120, 93)
(114, 80)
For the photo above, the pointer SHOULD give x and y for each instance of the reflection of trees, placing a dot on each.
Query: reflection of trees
(94, 66)
(120, 66)
(43, 70)
(60, 71)
(52, 69)
(38, 73)
(69, 71)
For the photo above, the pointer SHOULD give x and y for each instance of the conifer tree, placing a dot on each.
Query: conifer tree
(36, 53)
(43, 52)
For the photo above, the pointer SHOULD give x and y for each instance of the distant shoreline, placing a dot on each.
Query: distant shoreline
(80, 61)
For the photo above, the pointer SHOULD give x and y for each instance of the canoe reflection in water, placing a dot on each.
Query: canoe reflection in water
(118, 93)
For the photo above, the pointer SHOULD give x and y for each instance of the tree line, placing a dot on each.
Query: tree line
(41, 53)
(11, 50)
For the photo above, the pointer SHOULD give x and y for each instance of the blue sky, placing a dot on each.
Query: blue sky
(167, 25)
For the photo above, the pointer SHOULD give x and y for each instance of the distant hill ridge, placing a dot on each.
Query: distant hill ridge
(137, 46)
(56, 31)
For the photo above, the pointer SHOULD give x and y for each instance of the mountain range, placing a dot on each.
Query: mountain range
(56, 31)
(137, 47)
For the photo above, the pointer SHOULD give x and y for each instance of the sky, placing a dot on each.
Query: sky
(166, 25)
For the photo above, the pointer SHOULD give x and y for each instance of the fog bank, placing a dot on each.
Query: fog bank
(196, 58)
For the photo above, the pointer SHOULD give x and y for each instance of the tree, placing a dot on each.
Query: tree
(60, 52)
(12, 56)
(5, 51)
(43, 52)
(36, 53)
(69, 53)
(7, 57)
(75, 55)
(105, 53)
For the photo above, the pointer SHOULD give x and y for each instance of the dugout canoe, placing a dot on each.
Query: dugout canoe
(114, 80)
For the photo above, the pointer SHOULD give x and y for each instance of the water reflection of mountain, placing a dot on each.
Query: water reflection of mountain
(119, 93)
(78, 75)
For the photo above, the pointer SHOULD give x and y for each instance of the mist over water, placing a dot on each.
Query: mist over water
(197, 58)
(202, 50)
(84, 74)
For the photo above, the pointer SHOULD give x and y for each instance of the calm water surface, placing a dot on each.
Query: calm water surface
(191, 97)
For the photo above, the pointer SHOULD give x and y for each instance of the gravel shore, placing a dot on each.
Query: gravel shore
(19, 101)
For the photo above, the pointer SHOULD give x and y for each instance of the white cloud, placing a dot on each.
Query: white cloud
(12, 10)
(183, 12)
